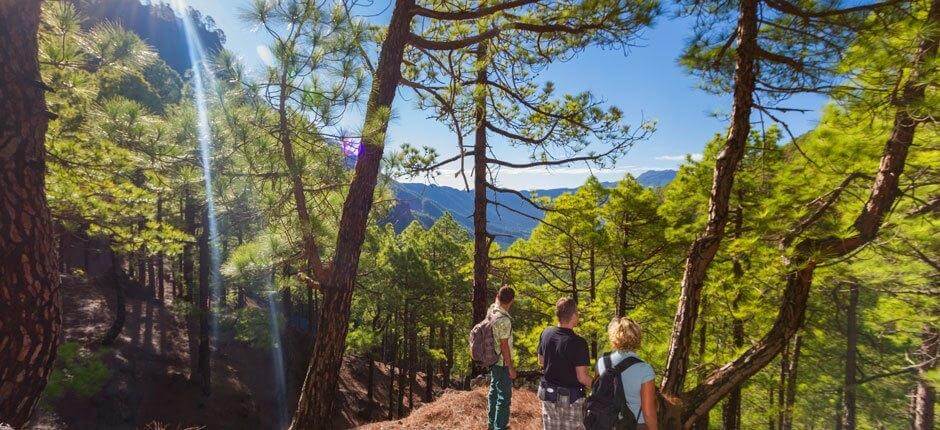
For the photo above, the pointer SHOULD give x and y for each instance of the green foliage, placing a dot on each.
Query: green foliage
(76, 371)
(252, 326)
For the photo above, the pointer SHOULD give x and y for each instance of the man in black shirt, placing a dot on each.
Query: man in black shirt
(565, 361)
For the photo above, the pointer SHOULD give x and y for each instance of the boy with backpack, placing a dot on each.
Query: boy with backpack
(624, 395)
(491, 346)
(565, 361)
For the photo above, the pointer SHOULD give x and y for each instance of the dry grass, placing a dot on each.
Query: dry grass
(466, 410)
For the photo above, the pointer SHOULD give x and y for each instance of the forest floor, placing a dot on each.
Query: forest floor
(466, 410)
(148, 379)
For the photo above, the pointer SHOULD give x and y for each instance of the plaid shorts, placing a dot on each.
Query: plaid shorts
(561, 415)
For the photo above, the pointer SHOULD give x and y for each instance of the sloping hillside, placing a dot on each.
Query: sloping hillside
(466, 410)
(144, 378)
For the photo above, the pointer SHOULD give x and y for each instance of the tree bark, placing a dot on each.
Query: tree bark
(703, 249)
(315, 405)
(481, 242)
(782, 383)
(925, 395)
(314, 269)
(789, 400)
(731, 412)
(118, 279)
(161, 263)
(189, 219)
(850, 384)
(203, 376)
(429, 368)
(810, 252)
(30, 313)
(702, 423)
(152, 277)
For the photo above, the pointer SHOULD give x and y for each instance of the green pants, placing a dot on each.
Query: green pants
(500, 397)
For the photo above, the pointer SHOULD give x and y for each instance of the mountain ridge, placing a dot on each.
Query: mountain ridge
(426, 203)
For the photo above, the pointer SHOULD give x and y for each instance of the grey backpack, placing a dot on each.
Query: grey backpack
(482, 342)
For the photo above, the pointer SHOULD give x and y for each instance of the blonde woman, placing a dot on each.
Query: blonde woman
(639, 385)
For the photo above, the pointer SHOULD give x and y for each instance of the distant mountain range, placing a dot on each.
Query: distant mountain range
(427, 203)
(158, 25)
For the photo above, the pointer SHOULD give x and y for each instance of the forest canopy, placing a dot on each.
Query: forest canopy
(782, 280)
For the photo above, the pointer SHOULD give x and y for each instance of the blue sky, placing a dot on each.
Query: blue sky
(647, 83)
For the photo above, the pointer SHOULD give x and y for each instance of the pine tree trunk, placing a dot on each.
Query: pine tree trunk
(203, 377)
(390, 359)
(370, 384)
(429, 368)
(849, 421)
(161, 263)
(810, 252)
(624, 286)
(152, 277)
(189, 219)
(315, 405)
(30, 314)
(925, 395)
(481, 242)
(703, 249)
(117, 280)
(593, 293)
(702, 423)
(314, 266)
(731, 412)
(840, 410)
(782, 384)
(449, 355)
(771, 418)
(790, 397)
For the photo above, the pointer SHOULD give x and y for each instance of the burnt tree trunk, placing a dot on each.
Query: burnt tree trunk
(481, 242)
(30, 314)
(703, 249)
(315, 405)
(850, 384)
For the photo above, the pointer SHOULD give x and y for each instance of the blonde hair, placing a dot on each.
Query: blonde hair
(624, 334)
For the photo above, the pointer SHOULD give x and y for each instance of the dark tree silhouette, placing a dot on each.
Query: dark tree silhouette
(30, 315)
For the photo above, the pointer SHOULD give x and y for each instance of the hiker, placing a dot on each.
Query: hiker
(565, 361)
(503, 372)
(636, 378)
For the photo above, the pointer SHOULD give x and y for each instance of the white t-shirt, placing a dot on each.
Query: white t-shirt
(632, 379)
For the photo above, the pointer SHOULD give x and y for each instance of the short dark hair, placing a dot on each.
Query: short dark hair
(565, 308)
(506, 294)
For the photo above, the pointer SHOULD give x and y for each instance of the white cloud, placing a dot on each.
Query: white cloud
(695, 157)
(265, 54)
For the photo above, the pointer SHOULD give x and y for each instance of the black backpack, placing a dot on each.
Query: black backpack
(607, 405)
